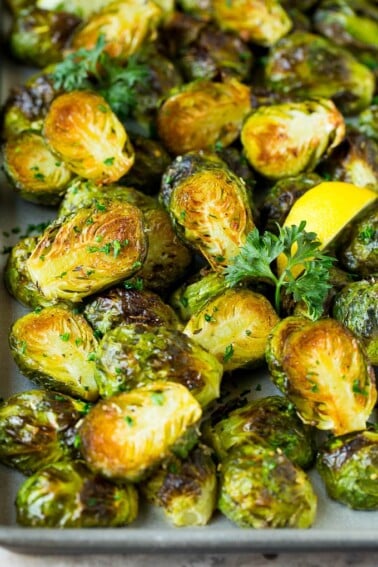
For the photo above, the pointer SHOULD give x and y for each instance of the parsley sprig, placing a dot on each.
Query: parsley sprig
(260, 251)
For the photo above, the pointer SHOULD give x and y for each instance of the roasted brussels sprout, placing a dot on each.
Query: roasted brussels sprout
(151, 161)
(84, 132)
(133, 355)
(81, 8)
(322, 369)
(125, 25)
(38, 37)
(185, 489)
(360, 253)
(261, 488)
(356, 307)
(286, 139)
(307, 65)
(203, 113)
(67, 495)
(349, 468)
(55, 347)
(88, 251)
(234, 327)
(282, 196)
(126, 435)
(273, 419)
(367, 122)
(37, 428)
(119, 305)
(208, 205)
(260, 21)
(34, 170)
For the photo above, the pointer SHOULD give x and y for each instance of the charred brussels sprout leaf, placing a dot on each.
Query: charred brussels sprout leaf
(239, 318)
(83, 131)
(356, 307)
(203, 113)
(360, 253)
(307, 65)
(55, 348)
(126, 435)
(67, 495)
(88, 251)
(273, 419)
(286, 139)
(186, 489)
(132, 355)
(261, 488)
(119, 305)
(349, 468)
(322, 369)
(34, 170)
(208, 205)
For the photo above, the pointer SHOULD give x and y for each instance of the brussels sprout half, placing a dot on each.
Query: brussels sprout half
(55, 347)
(67, 495)
(359, 253)
(126, 435)
(323, 370)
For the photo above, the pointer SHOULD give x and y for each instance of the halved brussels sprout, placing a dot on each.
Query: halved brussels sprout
(121, 305)
(83, 131)
(307, 65)
(55, 348)
(261, 488)
(68, 495)
(125, 25)
(186, 489)
(260, 21)
(349, 468)
(289, 138)
(34, 170)
(81, 8)
(203, 113)
(234, 326)
(38, 37)
(356, 307)
(88, 251)
(208, 205)
(359, 253)
(322, 369)
(126, 435)
(37, 428)
(132, 355)
(151, 160)
(274, 420)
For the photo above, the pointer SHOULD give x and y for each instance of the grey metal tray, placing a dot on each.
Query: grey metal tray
(336, 527)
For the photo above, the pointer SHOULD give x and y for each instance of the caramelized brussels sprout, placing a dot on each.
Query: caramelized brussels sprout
(208, 205)
(119, 305)
(273, 419)
(33, 169)
(360, 253)
(234, 327)
(38, 37)
(125, 25)
(55, 348)
(67, 495)
(88, 251)
(203, 113)
(261, 488)
(151, 161)
(349, 468)
(261, 21)
(37, 428)
(307, 65)
(84, 132)
(186, 489)
(286, 139)
(356, 307)
(81, 8)
(322, 369)
(126, 435)
(133, 355)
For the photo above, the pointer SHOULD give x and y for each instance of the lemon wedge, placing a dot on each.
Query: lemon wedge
(327, 208)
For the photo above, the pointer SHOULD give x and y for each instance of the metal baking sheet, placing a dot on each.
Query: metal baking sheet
(336, 527)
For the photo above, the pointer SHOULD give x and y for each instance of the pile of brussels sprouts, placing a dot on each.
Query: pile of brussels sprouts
(165, 134)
